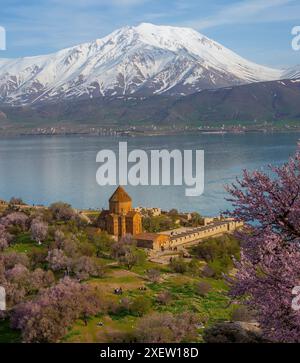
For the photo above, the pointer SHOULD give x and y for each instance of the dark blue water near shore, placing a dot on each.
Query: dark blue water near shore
(42, 170)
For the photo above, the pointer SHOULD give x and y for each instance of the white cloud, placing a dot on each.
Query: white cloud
(108, 3)
(248, 11)
(128, 2)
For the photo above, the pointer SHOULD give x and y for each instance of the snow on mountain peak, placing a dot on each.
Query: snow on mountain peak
(293, 72)
(143, 60)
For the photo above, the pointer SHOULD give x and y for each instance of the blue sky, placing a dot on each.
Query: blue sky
(259, 30)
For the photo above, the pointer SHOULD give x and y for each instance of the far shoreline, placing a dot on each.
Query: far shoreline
(166, 133)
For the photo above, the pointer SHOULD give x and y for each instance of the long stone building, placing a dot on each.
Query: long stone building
(171, 240)
(187, 236)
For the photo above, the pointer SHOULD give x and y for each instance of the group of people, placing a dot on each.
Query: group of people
(118, 291)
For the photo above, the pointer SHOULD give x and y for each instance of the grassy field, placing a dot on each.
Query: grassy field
(24, 244)
(183, 289)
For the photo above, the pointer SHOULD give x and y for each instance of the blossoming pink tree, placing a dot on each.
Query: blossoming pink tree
(19, 219)
(269, 268)
(47, 317)
(39, 230)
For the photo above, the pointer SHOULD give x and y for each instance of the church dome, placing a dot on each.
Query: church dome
(120, 196)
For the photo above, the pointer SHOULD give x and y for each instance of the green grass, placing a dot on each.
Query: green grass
(213, 307)
(8, 335)
(147, 265)
(93, 333)
(23, 244)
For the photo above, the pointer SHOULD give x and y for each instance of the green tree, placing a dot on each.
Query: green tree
(178, 265)
(140, 305)
(103, 243)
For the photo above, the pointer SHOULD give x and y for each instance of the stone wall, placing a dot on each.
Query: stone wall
(195, 234)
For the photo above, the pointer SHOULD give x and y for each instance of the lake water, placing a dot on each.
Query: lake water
(42, 170)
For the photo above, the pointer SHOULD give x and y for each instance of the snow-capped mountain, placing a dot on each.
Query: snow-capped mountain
(141, 61)
(292, 73)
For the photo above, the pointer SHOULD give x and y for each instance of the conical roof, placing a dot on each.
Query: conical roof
(120, 195)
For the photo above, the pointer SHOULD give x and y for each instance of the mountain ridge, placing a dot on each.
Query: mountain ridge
(274, 102)
(142, 61)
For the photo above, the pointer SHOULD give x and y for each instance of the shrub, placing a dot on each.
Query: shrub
(217, 247)
(37, 257)
(86, 248)
(158, 223)
(128, 254)
(16, 222)
(62, 211)
(178, 265)
(85, 267)
(129, 259)
(140, 305)
(164, 298)
(221, 266)
(242, 313)
(120, 248)
(13, 258)
(203, 288)
(39, 230)
(207, 271)
(16, 201)
(103, 243)
(193, 267)
(120, 337)
(230, 333)
(59, 238)
(218, 253)
(197, 220)
(3, 244)
(167, 328)
(153, 275)
(122, 308)
(58, 261)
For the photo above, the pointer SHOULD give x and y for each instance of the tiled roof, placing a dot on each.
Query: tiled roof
(120, 195)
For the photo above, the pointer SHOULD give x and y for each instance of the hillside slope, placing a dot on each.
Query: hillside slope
(267, 101)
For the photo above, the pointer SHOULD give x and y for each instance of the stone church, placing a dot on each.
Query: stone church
(120, 219)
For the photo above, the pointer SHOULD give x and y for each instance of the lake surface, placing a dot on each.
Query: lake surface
(42, 170)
